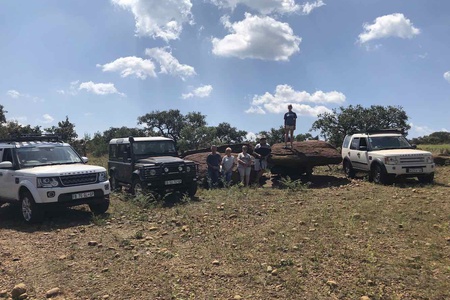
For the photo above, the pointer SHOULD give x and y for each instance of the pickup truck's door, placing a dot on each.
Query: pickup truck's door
(358, 154)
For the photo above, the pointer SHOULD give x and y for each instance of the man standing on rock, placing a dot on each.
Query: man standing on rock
(290, 119)
(213, 160)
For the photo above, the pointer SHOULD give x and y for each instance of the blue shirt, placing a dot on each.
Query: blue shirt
(289, 118)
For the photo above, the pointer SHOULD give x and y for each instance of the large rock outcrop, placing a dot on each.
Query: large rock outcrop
(301, 159)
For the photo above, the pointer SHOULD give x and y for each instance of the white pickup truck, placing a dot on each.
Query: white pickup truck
(385, 155)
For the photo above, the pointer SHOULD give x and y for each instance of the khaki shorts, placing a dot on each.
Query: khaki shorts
(289, 127)
(260, 165)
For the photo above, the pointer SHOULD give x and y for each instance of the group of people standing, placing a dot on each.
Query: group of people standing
(222, 167)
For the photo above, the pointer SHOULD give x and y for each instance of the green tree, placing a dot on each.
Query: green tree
(229, 135)
(65, 129)
(13, 128)
(194, 138)
(170, 123)
(336, 125)
(305, 136)
(274, 135)
(2, 114)
(438, 137)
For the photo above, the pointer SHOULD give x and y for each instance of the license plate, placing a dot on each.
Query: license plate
(415, 170)
(82, 195)
(175, 181)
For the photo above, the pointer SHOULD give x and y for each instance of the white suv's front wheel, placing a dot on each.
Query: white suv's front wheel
(31, 212)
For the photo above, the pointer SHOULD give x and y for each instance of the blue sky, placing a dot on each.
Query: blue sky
(105, 63)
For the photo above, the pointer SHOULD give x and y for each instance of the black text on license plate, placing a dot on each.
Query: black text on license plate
(415, 170)
(82, 195)
(175, 181)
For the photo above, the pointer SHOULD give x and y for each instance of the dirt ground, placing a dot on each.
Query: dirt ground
(331, 238)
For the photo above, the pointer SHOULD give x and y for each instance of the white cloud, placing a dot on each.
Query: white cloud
(447, 76)
(257, 37)
(46, 118)
(394, 25)
(99, 88)
(268, 7)
(16, 94)
(157, 18)
(200, 92)
(255, 110)
(417, 130)
(264, 7)
(285, 95)
(131, 66)
(169, 64)
(251, 136)
(13, 94)
(72, 89)
(307, 8)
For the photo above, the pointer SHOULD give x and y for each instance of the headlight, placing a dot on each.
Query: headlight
(391, 160)
(102, 176)
(152, 172)
(166, 169)
(188, 169)
(429, 159)
(180, 168)
(47, 182)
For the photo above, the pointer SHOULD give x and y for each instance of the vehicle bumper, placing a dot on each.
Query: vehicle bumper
(169, 184)
(410, 170)
(75, 195)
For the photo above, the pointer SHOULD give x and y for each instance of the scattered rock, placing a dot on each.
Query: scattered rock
(92, 243)
(153, 228)
(364, 298)
(237, 297)
(53, 292)
(216, 262)
(269, 269)
(23, 296)
(274, 272)
(3, 293)
(332, 283)
(18, 290)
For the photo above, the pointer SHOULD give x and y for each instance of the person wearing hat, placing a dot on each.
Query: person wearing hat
(261, 152)
(290, 119)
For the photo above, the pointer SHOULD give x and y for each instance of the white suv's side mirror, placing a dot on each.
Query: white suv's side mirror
(6, 165)
(84, 159)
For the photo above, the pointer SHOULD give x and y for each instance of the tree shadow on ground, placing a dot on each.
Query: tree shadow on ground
(54, 218)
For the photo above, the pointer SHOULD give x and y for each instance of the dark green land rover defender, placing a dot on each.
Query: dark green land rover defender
(150, 164)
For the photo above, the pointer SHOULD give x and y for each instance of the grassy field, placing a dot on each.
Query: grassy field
(329, 239)
(436, 149)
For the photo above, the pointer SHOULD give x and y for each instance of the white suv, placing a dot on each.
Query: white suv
(385, 155)
(41, 171)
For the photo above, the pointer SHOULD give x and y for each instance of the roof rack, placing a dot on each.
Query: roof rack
(31, 137)
(389, 130)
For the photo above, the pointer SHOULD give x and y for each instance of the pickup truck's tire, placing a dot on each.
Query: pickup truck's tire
(379, 174)
(99, 208)
(348, 170)
(192, 190)
(115, 186)
(428, 178)
(137, 187)
(31, 212)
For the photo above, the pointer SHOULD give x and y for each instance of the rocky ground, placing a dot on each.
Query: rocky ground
(328, 239)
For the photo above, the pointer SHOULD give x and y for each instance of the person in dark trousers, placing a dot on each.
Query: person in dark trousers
(213, 160)
(290, 119)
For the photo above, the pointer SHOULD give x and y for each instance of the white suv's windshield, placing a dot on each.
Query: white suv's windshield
(152, 148)
(388, 142)
(46, 155)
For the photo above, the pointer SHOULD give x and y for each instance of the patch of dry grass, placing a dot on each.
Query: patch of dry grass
(336, 239)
